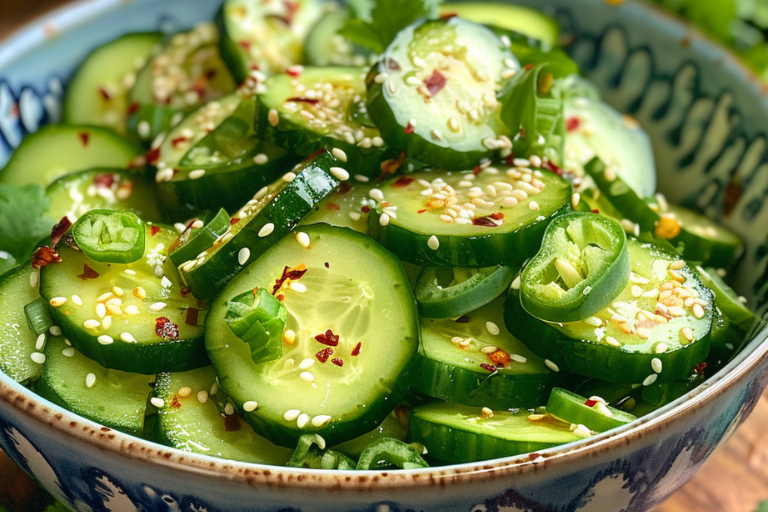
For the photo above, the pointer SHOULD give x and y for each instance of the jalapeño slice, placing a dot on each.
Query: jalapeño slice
(461, 219)
(656, 330)
(727, 300)
(449, 292)
(582, 266)
(110, 236)
(198, 236)
(593, 413)
(433, 93)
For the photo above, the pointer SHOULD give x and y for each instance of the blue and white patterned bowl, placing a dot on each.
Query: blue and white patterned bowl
(707, 117)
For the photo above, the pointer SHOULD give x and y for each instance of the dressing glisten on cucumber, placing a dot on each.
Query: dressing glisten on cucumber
(405, 234)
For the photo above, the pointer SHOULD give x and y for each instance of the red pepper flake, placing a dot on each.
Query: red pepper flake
(281, 297)
(289, 273)
(88, 273)
(245, 44)
(133, 108)
(356, 350)
(510, 161)
(489, 367)
(104, 180)
(590, 403)
(435, 82)
(175, 403)
(297, 99)
(699, 368)
(337, 361)
(365, 209)
(421, 211)
(392, 64)
(234, 220)
(500, 358)
(193, 314)
(151, 157)
(344, 188)
(486, 221)
(185, 291)
(552, 167)
(44, 256)
(448, 15)
(463, 319)
(391, 166)
(231, 423)
(328, 338)
(528, 67)
(408, 128)
(595, 211)
(497, 216)
(476, 170)
(59, 230)
(572, 124)
(178, 140)
(334, 207)
(166, 329)
(154, 230)
(403, 181)
(324, 354)
(84, 138)
(255, 67)
(104, 94)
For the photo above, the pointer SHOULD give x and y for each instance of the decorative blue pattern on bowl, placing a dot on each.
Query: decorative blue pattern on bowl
(707, 118)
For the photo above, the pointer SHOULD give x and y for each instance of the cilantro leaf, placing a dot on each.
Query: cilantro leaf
(22, 219)
(387, 17)
(762, 507)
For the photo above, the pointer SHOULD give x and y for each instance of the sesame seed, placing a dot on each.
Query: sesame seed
(321, 420)
(384, 220)
(377, 142)
(90, 380)
(486, 412)
(582, 431)
(551, 365)
(650, 379)
(454, 125)
(303, 239)
(68, 352)
(697, 310)
(34, 278)
(593, 321)
(381, 78)
(436, 134)
(184, 392)
(687, 333)
(509, 202)
(144, 129)
(677, 265)
(340, 154)
(433, 243)
(202, 396)
(340, 173)
(516, 283)
(157, 402)
(298, 287)
(656, 364)
(376, 194)
(91, 324)
(105, 339)
(291, 414)
(243, 256)
(229, 409)
(636, 291)
(266, 230)
(391, 87)
(250, 406)
(127, 337)
(307, 377)
(40, 342)
(273, 117)
(132, 310)
(302, 420)
(289, 337)
(139, 293)
(492, 328)
(58, 301)
(260, 159)
(37, 357)
(518, 358)
(533, 206)
(164, 175)
(612, 341)
(199, 173)
(488, 349)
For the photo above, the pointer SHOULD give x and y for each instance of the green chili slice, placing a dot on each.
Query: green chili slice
(311, 453)
(388, 452)
(726, 299)
(592, 412)
(582, 266)
(258, 319)
(198, 238)
(110, 236)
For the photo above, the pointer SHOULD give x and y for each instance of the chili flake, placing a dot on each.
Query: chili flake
(344, 188)
(84, 138)
(393, 64)
(391, 166)
(59, 230)
(500, 358)
(234, 220)
(192, 317)
(403, 181)
(356, 350)
(408, 129)
(311, 101)
(435, 82)
(289, 273)
(324, 354)
(133, 108)
(88, 273)
(44, 256)
(231, 423)
(572, 124)
(154, 230)
(328, 338)
(337, 361)
(166, 329)
(333, 206)
(365, 209)
(590, 403)
(175, 403)
(487, 221)
(104, 180)
(489, 367)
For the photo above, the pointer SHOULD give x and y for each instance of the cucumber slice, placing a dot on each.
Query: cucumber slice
(111, 398)
(648, 334)
(433, 93)
(272, 213)
(325, 46)
(187, 73)
(213, 159)
(459, 219)
(265, 36)
(475, 362)
(521, 19)
(726, 299)
(727, 340)
(593, 414)
(191, 421)
(449, 292)
(323, 107)
(18, 287)
(348, 359)
(458, 433)
(98, 92)
(198, 236)
(134, 317)
(348, 207)
(76, 148)
(75, 194)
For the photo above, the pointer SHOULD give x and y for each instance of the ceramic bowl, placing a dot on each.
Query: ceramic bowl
(707, 117)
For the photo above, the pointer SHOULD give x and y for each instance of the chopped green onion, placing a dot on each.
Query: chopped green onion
(38, 317)
(258, 319)
(309, 454)
(388, 452)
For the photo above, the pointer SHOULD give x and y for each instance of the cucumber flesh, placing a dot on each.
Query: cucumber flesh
(592, 413)
(17, 340)
(348, 207)
(521, 19)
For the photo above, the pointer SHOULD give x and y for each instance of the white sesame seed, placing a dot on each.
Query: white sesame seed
(533, 206)
(656, 364)
(132, 310)
(157, 402)
(229, 409)
(68, 352)
(273, 117)
(376, 194)
(518, 358)
(55, 330)
(144, 129)
(377, 142)
(436, 134)
(298, 287)
(433, 243)
(196, 174)
(687, 333)
(91, 324)
(593, 321)
(34, 278)
(516, 283)
(202, 396)
(127, 337)
(40, 342)
(340, 173)
(381, 78)
(250, 406)
(306, 364)
(260, 159)
(612, 341)
(105, 339)
(582, 431)
(697, 310)
(650, 379)
(551, 365)
(291, 414)
(307, 377)
(303, 239)
(243, 256)
(340, 154)
(90, 380)
(302, 420)
(266, 230)
(37, 357)
(492, 328)
(384, 220)
(320, 420)
(58, 301)
(677, 265)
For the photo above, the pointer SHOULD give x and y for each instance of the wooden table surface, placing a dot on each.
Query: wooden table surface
(734, 479)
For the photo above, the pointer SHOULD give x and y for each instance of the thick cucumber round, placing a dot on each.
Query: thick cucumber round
(111, 398)
(265, 36)
(351, 334)
(433, 93)
(56, 150)
(521, 19)
(460, 219)
(449, 292)
(593, 414)
(75, 194)
(191, 421)
(325, 46)
(18, 287)
(458, 433)
(656, 330)
(473, 360)
(98, 92)
(187, 73)
(323, 107)
(213, 159)
(133, 317)
(273, 213)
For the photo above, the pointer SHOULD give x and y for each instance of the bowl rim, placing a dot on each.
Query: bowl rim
(68, 17)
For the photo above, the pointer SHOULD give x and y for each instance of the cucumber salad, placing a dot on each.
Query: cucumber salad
(372, 235)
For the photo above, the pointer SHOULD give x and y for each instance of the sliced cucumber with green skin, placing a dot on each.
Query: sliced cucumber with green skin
(521, 19)
(350, 338)
(191, 421)
(596, 129)
(323, 107)
(213, 159)
(98, 92)
(75, 194)
(134, 317)
(348, 207)
(660, 395)
(458, 433)
(76, 148)
(392, 427)
(111, 398)
(18, 287)
(726, 299)
(433, 93)
(593, 414)
(458, 219)
(727, 340)
(265, 36)
(198, 236)
(449, 292)
(325, 46)
(273, 213)
(475, 361)
(647, 334)
(188, 72)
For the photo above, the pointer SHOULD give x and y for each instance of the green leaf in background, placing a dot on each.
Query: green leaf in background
(387, 18)
(22, 219)
(762, 507)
